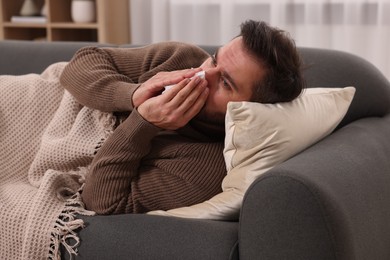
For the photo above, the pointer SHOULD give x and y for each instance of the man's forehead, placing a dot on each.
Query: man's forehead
(230, 45)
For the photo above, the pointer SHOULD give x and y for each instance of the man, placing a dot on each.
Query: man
(168, 152)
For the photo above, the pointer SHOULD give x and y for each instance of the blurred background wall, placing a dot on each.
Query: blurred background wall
(361, 27)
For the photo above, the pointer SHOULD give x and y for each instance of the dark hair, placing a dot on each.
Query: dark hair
(277, 53)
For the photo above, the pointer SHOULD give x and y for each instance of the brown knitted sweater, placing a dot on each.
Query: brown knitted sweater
(141, 167)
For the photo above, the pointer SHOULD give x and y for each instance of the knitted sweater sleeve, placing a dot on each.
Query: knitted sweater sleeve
(107, 188)
(106, 78)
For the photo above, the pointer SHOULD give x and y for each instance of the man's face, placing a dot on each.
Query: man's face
(230, 73)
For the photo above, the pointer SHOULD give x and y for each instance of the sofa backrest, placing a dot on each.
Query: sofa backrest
(330, 68)
(22, 57)
(324, 68)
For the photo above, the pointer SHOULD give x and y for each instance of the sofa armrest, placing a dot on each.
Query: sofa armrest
(332, 201)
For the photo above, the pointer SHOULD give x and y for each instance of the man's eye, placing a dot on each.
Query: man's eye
(225, 83)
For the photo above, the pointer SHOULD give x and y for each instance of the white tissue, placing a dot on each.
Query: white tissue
(200, 74)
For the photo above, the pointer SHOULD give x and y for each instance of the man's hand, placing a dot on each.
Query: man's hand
(155, 85)
(176, 107)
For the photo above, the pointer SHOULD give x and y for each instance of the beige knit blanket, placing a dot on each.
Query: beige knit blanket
(47, 141)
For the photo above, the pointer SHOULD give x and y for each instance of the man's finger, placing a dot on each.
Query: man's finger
(194, 100)
(195, 108)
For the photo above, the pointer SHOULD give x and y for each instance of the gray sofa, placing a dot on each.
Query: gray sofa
(331, 201)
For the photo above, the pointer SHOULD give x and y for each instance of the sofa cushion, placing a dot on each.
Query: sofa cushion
(139, 236)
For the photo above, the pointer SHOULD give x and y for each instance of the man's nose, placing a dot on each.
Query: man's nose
(212, 74)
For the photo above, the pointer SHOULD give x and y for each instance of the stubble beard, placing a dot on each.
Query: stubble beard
(211, 117)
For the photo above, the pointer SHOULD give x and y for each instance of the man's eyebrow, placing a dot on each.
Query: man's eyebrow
(224, 74)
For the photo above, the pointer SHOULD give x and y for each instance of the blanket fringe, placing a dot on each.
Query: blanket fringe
(64, 232)
(108, 121)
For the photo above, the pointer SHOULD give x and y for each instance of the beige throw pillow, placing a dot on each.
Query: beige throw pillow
(261, 136)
